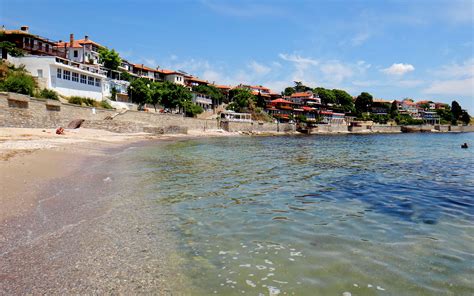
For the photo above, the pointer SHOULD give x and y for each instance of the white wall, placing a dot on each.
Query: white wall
(175, 78)
(64, 87)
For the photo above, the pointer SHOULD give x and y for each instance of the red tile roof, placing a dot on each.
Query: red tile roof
(281, 101)
(144, 68)
(301, 94)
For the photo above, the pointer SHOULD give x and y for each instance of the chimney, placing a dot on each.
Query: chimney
(71, 40)
(86, 37)
(24, 29)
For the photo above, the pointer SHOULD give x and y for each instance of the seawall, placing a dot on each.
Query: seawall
(26, 112)
(22, 111)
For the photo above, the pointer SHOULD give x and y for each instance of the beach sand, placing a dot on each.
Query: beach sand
(70, 221)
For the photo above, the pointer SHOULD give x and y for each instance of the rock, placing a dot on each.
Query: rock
(76, 123)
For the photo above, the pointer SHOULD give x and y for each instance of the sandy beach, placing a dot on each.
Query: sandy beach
(70, 221)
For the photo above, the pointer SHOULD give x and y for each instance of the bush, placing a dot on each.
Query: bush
(104, 104)
(89, 102)
(75, 100)
(19, 82)
(48, 94)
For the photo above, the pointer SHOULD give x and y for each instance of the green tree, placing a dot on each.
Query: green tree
(326, 95)
(174, 95)
(394, 110)
(363, 103)
(191, 109)
(242, 100)
(465, 117)
(126, 76)
(288, 91)
(110, 58)
(113, 94)
(11, 49)
(456, 110)
(445, 115)
(139, 91)
(300, 87)
(344, 100)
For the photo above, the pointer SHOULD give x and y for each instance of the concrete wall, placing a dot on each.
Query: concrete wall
(330, 128)
(22, 111)
(235, 126)
(386, 128)
(37, 115)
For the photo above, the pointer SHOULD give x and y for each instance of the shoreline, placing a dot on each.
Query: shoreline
(70, 222)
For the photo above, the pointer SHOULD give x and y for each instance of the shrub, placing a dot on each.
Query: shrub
(19, 82)
(104, 104)
(89, 102)
(48, 94)
(75, 100)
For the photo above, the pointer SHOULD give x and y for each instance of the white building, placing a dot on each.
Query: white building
(202, 100)
(63, 76)
(81, 51)
(173, 76)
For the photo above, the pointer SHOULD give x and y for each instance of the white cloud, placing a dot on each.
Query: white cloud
(360, 38)
(398, 69)
(259, 69)
(466, 69)
(462, 87)
(335, 72)
(298, 59)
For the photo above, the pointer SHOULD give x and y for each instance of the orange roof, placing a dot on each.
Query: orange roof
(281, 101)
(88, 41)
(75, 44)
(20, 32)
(301, 94)
(423, 102)
(144, 68)
(382, 101)
(408, 102)
(168, 72)
(191, 78)
(223, 86)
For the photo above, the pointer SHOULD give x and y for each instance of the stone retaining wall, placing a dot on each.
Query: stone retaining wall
(269, 127)
(386, 129)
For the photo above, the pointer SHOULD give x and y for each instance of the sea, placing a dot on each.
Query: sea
(317, 215)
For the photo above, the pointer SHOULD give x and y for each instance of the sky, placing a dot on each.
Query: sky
(420, 49)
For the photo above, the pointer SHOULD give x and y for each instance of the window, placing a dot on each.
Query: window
(76, 53)
(67, 75)
(83, 78)
(47, 47)
(75, 77)
(40, 73)
(90, 80)
(59, 73)
(97, 82)
(27, 41)
(40, 45)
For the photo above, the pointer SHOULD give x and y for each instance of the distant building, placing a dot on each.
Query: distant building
(202, 100)
(304, 98)
(31, 44)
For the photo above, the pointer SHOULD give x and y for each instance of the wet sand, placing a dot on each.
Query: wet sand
(71, 222)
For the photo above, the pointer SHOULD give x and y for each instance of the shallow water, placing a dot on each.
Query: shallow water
(319, 215)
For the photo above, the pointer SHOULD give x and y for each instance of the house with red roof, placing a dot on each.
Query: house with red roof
(304, 99)
(82, 51)
(30, 43)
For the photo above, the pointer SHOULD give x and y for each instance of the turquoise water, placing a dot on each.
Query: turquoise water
(319, 215)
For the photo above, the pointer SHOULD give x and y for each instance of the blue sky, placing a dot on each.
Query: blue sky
(422, 49)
